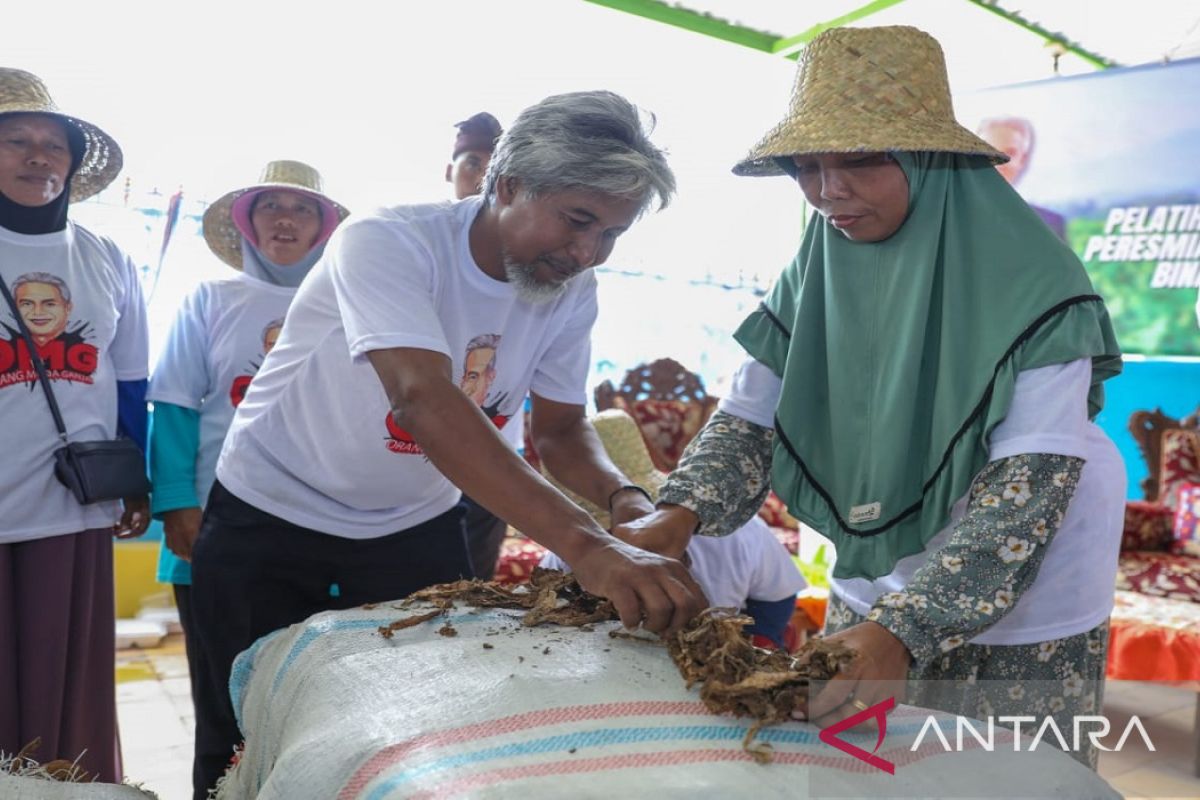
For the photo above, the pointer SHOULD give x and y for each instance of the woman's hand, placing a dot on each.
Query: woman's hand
(180, 528)
(647, 589)
(666, 530)
(628, 505)
(135, 519)
(879, 671)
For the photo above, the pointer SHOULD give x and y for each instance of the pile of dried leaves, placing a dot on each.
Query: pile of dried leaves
(550, 596)
(735, 677)
(24, 764)
(738, 678)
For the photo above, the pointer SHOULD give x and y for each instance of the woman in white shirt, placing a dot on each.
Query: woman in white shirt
(271, 233)
(78, 296)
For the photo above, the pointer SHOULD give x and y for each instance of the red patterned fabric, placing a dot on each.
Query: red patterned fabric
(775, 514)
(1147, 526)
(667, 426)
(1160, 575)
(1153, 639)
(518, 556)
(1187, 520)
(1180, 463)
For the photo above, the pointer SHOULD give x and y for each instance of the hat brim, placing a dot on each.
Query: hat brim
(102, 157)
(622, 439)
(860, 133)
(221, 232)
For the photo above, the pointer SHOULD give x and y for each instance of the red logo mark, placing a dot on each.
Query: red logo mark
(237, 390)
(879, 712)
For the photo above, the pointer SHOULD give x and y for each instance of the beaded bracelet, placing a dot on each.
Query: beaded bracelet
(628, 487)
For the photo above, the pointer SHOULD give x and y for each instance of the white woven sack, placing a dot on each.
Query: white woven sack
(13, 787)
(333, 709)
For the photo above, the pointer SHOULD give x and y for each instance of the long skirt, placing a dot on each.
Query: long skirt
(57, 651)
(1061, 678)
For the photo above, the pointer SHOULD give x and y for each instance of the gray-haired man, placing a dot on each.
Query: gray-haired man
(339, 480)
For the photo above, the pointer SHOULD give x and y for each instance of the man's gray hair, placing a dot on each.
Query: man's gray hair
(591, 141)
(43, 277)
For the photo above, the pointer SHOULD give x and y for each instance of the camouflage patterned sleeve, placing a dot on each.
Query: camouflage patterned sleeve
(723, 475)
(970, 583)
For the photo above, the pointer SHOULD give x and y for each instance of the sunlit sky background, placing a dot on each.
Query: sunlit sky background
(201, 95)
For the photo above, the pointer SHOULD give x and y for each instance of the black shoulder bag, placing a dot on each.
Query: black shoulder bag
(93, 471)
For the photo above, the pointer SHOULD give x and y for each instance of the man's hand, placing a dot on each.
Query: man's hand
(181, 527)
(666, 530)
(878, 672)
(465, 447)
(647, 589)
(136, 518)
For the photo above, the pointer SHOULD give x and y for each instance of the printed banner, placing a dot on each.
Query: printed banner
(1111, 162)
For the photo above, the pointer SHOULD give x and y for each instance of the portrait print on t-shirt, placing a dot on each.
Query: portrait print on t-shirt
(44, 303)
(270, 335)
(478, 375)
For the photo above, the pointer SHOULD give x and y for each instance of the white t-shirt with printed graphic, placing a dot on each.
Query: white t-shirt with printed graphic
(313, 441)
(220, 336)
(748, 564)
(85, 310)
(1073, 592)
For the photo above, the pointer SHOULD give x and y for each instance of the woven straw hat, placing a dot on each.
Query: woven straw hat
(622, 439)
(22, 92)
(220, 229)
(867, 90)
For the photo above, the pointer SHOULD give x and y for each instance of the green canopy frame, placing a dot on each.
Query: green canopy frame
(790, 46)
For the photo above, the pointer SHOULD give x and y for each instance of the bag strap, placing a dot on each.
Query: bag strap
(37, 362)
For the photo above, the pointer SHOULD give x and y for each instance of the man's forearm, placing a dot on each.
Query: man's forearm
(575, 456)
(468, 450)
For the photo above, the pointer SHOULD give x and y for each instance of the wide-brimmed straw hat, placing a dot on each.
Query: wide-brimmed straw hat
(867, 90)
(221, 219)
(22, 92)
(622, 440)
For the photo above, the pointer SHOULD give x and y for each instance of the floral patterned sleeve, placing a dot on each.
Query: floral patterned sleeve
(994, 554)
(723, 474)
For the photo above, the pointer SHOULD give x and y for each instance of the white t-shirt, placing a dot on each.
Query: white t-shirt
(88, 318)
(748, 564)
(313, 442)
(220, 336)
(1073, 592)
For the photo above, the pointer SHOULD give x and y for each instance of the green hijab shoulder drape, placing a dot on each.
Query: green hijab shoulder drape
(898, 358)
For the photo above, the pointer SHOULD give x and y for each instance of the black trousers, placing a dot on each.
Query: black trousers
(198, 676)
(253, 573)
(485, 535)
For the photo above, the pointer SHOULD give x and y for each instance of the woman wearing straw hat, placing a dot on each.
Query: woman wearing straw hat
(920, 389)
(271, 233)
(80, 302)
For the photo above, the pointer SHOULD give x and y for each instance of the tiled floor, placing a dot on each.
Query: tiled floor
(154, 706)
(155, 710)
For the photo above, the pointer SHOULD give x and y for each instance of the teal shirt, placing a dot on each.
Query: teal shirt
(174, 445)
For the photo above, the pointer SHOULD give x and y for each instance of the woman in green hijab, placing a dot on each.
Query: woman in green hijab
(920, 390)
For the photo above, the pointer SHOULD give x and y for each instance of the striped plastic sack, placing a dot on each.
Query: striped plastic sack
(473, 705)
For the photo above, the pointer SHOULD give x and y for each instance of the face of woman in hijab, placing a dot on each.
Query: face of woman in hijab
(286, 224)
(35, 158)
(863, 195)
